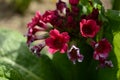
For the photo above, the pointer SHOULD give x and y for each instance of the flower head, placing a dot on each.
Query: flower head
(57, 41)
(74, 54)
(88, 28)
(66, 22)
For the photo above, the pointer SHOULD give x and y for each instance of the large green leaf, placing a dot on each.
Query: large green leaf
(113, 14)
(116, 42)
(9, 73)
(13, 51)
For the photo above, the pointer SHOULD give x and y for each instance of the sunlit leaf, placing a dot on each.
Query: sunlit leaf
(13, 51)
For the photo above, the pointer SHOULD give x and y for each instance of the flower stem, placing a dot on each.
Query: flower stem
(116, 5)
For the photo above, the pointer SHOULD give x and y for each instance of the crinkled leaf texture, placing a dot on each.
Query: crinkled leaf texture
(9, 73)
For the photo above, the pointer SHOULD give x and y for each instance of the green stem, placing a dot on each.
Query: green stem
(116, 5)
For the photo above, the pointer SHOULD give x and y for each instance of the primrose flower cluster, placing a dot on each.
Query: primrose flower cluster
(63, 27)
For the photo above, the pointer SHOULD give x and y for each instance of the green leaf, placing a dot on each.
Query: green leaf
(13, 51)
(9, 73)
(113, 15)
(84, 2)
(116, 5)
(116, 42)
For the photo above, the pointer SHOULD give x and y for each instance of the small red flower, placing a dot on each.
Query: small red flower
(88, 28)
(74, 54)
(48, 16)
(37, 20)
(57, 42)
(102, 49)
(73, 2)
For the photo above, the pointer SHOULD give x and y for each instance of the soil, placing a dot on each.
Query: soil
(10, 19)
